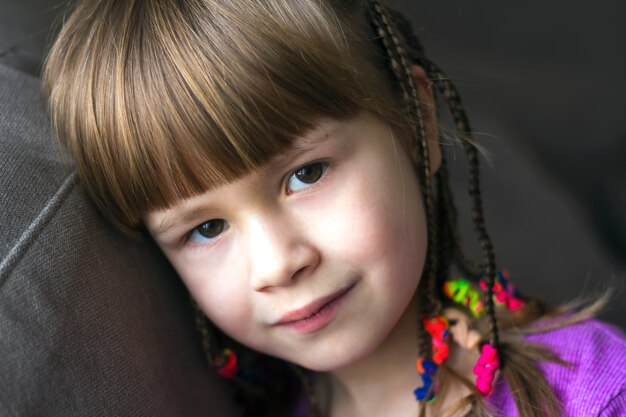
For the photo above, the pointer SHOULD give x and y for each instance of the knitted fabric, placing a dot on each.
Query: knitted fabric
(595, 384)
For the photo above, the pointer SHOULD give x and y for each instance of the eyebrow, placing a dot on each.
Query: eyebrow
(300, 145)
(172, 220)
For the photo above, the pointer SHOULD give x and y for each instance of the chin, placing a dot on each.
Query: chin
(333, 356)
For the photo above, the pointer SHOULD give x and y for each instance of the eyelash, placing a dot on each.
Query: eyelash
(321, 166)
(209, 240)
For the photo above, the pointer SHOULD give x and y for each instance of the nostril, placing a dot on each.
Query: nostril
(300, 271)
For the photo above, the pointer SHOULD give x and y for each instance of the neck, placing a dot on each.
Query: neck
(383, 382)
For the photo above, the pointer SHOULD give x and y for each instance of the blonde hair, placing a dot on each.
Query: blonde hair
(160, 100)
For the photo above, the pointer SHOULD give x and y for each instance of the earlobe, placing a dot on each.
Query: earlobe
(429, 115)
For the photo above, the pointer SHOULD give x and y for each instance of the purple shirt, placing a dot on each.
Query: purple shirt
(595, 384)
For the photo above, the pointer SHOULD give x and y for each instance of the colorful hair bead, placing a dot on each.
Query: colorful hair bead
(485, 369)
(427, 370)
(437, 327)
(226, 364)
(504, 293)
(462, 292)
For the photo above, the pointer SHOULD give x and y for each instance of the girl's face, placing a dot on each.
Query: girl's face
(313, 259)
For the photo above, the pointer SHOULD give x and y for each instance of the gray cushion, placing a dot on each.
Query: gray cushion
(90, 323)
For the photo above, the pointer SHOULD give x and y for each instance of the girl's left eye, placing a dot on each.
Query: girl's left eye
(306, 176)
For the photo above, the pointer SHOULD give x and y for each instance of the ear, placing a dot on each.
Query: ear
(429, 115)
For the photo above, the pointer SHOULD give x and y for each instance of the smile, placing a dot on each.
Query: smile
(315, 315)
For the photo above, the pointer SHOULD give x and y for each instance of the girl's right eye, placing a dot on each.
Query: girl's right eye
(207, 231)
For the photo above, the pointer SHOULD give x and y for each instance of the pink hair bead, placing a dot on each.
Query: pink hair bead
(504, 293)
(485, 369)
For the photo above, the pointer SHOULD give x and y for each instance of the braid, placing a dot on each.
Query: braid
(402, 72)
(458, 112)
(202, 326)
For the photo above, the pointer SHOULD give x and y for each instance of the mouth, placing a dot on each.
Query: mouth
(315, 315)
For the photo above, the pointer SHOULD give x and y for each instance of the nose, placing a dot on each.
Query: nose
(280, 252)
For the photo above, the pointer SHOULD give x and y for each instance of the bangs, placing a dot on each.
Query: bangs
(197, 95)
(232, 98)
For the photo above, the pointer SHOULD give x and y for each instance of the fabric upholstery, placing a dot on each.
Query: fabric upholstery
(90, 323)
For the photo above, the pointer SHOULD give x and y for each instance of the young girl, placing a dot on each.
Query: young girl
(285, 156)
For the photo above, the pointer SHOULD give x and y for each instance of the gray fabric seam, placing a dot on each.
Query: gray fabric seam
(32, 231)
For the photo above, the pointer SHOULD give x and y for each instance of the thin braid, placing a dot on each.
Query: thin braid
(399, 65)
(431, 212)
(402, 72)
(469, 266)
(401, 69)
(413, 104)
(202, 328)
(458, 112)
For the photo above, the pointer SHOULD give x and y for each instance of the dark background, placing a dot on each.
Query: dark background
(544, 84)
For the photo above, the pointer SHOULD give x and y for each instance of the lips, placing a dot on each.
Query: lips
(314, 315)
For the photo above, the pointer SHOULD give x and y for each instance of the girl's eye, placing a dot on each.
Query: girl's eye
(207, 231)
(306, 176)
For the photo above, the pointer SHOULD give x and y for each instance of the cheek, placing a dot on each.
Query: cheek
(218, 291)
(377, 218)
